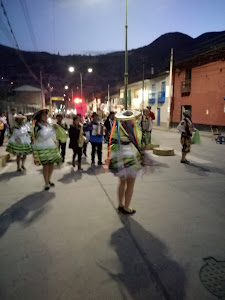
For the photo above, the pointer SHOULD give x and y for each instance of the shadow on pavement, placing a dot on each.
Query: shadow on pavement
(11, 175)
(71, 176)
(18, 212)
(163, 271)
(203, 171)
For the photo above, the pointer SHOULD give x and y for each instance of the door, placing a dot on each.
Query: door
(183, 108)
(158, 116)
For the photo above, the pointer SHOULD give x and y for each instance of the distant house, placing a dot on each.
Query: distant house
(199, 86)
(156, 95)
(28, 98)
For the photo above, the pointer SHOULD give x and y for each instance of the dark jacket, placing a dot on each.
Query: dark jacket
(74, 133)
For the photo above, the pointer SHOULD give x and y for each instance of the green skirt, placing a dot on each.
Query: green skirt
(19, 149)
(47, 156)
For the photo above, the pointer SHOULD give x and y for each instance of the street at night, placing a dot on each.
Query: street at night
(71, 243)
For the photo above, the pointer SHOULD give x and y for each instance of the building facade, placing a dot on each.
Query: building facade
(27, 98)
(156, 93)
(200, 89)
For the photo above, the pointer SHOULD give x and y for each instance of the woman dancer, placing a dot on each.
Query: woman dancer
(77, 139)
(19, 143)
(125, 156)
(45, 148)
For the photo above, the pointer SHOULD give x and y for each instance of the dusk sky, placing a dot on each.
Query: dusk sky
(86, 26)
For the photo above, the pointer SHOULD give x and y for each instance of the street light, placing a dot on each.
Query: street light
(72, 69)
(66, 87)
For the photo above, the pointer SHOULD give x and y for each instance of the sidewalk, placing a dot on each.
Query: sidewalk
(202, 133)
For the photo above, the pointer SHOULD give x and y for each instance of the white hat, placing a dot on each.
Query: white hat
(127, 115)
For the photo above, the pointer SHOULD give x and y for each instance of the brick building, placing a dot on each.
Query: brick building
(199, 85)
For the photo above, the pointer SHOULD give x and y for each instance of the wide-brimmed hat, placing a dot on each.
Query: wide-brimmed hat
(128, 115)
(29, 114)
(40, 111)
(19, 116)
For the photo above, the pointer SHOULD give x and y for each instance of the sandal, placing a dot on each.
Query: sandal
(24, 168)
(51, 183)
(120, 208)
(47, 187)
(130, 212)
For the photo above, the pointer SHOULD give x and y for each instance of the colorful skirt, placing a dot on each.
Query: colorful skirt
(124, 165)
(47, 156)
(19, 149)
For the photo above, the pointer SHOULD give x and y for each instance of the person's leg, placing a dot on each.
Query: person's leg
(18, 162)
(121, 191)
(50, 171)
(93, 145)
(63, 151)
(85, 149)
(2, 134)
(45, 175)
(23, 161)
(99, 145)
(74, 156)
(79, 158)
(129, 193)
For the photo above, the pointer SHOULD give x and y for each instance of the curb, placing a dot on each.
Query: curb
(202, 133)
(163, 151)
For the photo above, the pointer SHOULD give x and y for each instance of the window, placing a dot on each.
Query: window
(136, 94)
(153, 88)
(188, 74)
(163, 86)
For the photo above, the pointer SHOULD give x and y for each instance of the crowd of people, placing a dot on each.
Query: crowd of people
(127, 133)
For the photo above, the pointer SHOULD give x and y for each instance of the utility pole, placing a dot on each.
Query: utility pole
(170, 89)
(126, 62)
(109, 102)
(81, 85)
(42, 92)
(143, 87)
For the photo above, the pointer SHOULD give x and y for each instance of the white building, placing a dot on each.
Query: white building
(156, 94)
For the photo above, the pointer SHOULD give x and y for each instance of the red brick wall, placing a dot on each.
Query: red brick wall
(207, 93)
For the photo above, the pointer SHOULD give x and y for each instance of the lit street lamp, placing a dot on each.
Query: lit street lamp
(72, 69)
(66, 87)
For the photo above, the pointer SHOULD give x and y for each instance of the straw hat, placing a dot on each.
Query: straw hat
(19, 116)
(40, 111)
(127, 115)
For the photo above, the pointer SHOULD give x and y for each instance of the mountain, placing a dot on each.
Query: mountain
(21, 67)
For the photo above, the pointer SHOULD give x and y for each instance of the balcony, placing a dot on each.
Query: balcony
(185, 88)
(161, 97)
(151, 99)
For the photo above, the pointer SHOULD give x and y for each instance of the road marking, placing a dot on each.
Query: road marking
(194, 158)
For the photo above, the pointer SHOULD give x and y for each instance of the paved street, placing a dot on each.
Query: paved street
(71, 244)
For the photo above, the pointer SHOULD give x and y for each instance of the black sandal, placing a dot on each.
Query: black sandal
(51, 183)
(120, 208)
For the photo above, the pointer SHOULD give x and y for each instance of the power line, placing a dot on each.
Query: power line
(17, 46)
(28, 22)
(6, 32)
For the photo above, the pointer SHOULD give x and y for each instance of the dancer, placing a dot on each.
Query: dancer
(77, 139)
(186, 128)
(45, 148)
(146, 126)
(125, 156)
(61, 134)
(19, 142)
